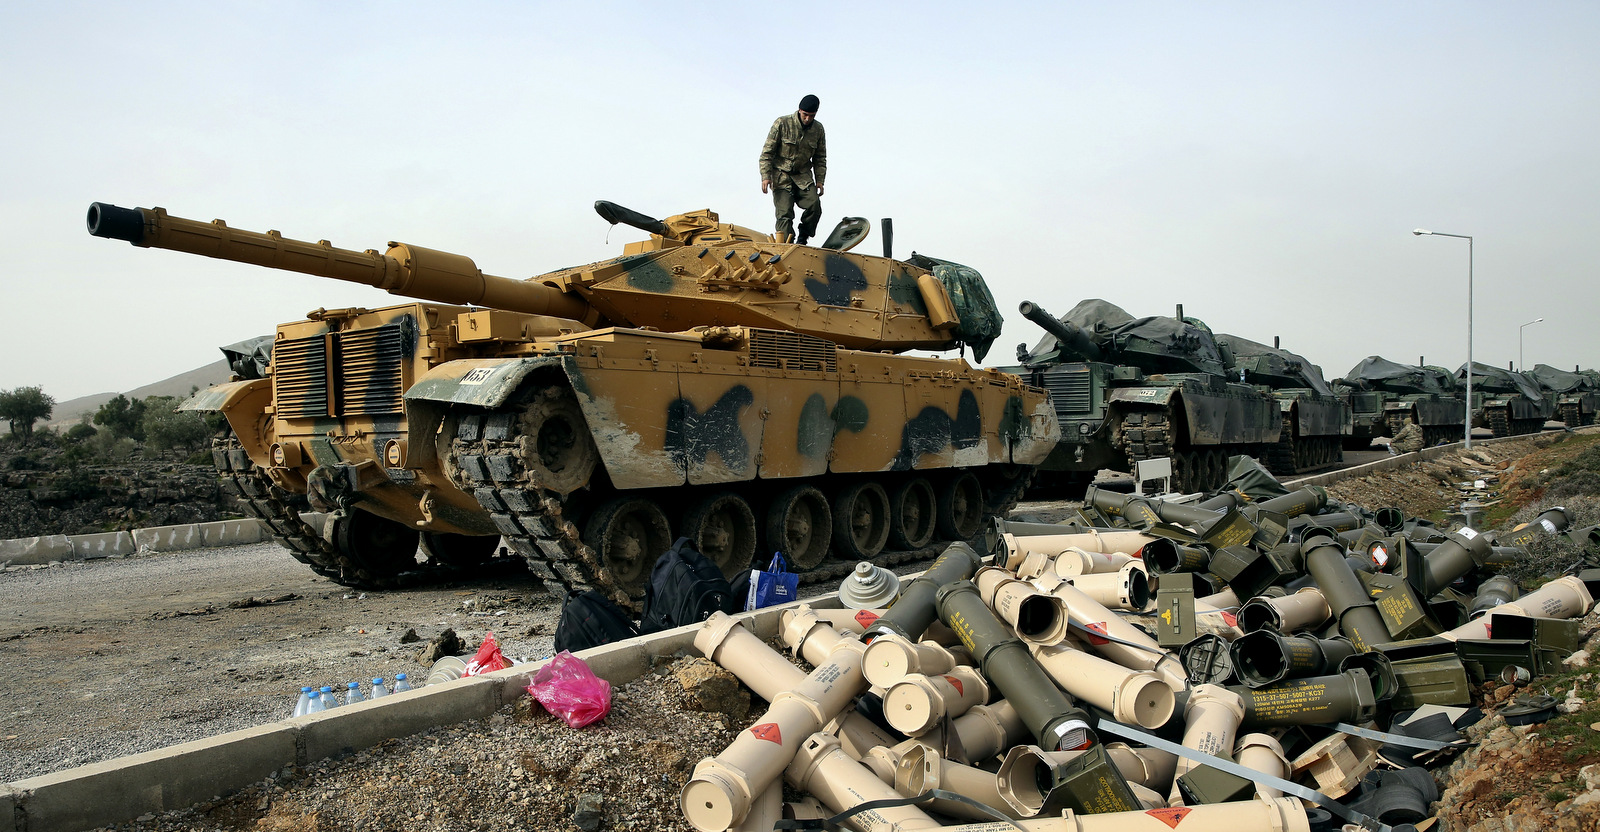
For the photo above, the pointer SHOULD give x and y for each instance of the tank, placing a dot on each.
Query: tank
(1385, 396)
(1314, 421)
(1577, 394)
(1507, 402)
(710, 383)
(1127, 389)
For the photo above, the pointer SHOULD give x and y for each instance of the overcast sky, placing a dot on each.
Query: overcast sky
(1262, 164)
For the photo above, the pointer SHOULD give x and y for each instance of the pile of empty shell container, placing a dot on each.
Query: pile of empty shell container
(1241, 662)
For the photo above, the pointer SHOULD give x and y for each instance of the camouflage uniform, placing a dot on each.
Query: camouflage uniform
(795, 161)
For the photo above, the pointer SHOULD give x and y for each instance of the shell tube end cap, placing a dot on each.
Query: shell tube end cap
(710, 804)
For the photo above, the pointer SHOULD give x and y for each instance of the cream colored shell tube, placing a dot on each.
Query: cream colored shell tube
(1105, 542)
(1561, 598)
(1212, 720)
(1086, 612)
(723, 788)
(1134, 696)
(821, 768)
(1284, 814)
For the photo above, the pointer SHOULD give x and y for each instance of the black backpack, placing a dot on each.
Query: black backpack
(590, 619)
(685, 588)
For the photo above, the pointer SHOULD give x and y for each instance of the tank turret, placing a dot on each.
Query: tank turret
(709, 383)
(693, 271)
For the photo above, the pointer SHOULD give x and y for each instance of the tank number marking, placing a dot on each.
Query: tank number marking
(478, 375)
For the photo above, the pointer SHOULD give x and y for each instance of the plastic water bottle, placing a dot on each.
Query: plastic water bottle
(400, 683)
(303, 702)
(329, 701)
(354, 695)
(379, 690)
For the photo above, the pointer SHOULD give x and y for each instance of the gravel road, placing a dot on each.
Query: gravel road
(112, 657)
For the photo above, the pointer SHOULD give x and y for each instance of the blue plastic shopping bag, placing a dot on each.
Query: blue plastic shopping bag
(777, 585)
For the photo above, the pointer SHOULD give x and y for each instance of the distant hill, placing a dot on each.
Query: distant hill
(68, 413)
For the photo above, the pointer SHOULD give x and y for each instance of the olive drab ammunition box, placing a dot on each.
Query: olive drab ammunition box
(710, 383)
(1174, 618)
(1089, 783)
(1204, 784)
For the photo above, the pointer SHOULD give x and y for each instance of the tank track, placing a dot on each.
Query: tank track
(1148, 435)
(1572, 415)
(1499, 421)
(534, 521)
(279, 514)
(1397, 422)
(487, 466)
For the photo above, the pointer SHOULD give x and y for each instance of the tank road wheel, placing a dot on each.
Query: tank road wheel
(1499, 422)
(382, 548)
(628, 534)
(723, 529)
(800, 524)
(861, 520)
(1216, 469)
(557, 450)
(459, 550)
(912, 508)
(960, 507)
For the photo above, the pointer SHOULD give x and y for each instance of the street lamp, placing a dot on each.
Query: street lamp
(1521, 366)
(1419, 232)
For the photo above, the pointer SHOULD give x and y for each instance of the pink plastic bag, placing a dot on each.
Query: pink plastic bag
(567, 688)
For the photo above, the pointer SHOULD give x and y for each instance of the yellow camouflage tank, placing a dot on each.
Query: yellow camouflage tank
(709, 383)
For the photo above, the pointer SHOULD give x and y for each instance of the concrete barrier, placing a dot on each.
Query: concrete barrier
(230, 533)
(102, 545)
(169, 538)
(8, 810)
(117, 791)
(27, 550)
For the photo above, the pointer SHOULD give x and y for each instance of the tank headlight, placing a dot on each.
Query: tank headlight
(1083, 428)
(394, 453)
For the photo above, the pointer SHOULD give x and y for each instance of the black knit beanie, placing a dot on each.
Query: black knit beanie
(809, 104)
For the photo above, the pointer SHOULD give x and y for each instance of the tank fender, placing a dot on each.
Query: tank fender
(244, 403)
(1037, 433)
(221, 397)
(481, 382)
(1143, 395)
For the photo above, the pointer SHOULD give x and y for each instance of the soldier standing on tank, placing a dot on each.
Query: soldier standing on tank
(794, 161)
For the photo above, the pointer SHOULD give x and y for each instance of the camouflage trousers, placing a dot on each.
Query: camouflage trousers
(785, 199)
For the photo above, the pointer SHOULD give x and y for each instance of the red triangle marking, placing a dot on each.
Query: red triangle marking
(956, 683)
(1233, 620)
(866, 618)
(1098, 627)
(767, 731)
(1171, 817)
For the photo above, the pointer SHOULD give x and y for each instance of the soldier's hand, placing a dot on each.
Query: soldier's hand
(819, 190)
(765, 183)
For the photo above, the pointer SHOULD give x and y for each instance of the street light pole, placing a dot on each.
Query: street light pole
(1521, 366)
(1419, 232)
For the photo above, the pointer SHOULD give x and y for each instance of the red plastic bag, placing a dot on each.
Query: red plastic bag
(566, 687)
(488, 659)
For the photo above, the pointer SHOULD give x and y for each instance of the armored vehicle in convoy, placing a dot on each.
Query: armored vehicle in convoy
(1508, 403)
(1577, 394)
(1386, 396)
(1127, 389)
(1315, 420)
(710, 382)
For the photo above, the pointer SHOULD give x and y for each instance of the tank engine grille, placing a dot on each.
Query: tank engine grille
(365, 370)
(1069, 391)
(370, 367)
(792, 351)
(300, 376)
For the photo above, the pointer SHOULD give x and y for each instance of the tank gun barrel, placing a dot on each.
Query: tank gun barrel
(411, 271)
(1071, 337)
(614, 213)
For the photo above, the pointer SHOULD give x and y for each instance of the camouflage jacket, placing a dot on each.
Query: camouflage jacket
(794, 154)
